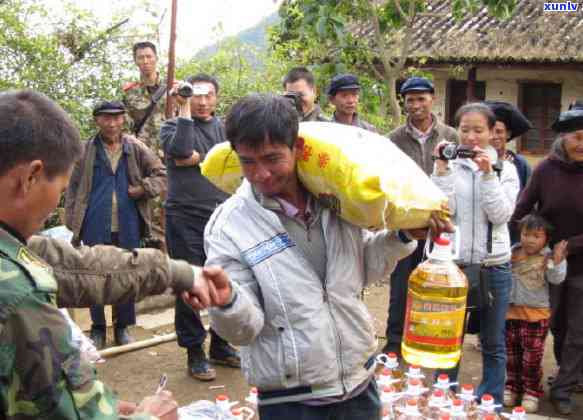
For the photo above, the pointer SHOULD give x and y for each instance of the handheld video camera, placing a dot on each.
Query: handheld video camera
(296, 100)
(450, 151)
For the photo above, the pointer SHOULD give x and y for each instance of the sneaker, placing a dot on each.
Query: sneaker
(198, 365)
(225, 355)
(97, 335)
(530, 403)
(510, 398)
(563, 406)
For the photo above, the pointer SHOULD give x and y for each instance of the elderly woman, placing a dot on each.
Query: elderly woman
(556, 190)
(482, 193)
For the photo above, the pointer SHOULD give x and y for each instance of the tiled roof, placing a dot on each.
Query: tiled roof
(530, 35)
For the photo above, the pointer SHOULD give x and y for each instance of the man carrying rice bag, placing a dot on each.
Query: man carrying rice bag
(285, 275)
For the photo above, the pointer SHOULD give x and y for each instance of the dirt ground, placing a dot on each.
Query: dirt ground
(135, 375)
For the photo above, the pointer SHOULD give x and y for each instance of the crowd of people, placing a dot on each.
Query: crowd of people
(283, 274)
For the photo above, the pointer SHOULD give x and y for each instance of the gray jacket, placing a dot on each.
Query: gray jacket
(531, 278)
(312, 338)
(404, 139)
(475, 199)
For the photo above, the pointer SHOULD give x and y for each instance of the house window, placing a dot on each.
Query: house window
(541, 104)
(457, 94)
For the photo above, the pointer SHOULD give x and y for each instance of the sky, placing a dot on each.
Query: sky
(196, 19)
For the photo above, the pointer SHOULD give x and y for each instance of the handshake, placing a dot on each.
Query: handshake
(211, 287)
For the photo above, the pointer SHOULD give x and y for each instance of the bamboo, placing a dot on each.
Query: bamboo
(171, 61)
(138, 345)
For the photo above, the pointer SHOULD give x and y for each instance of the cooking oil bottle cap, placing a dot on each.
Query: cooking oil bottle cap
(467, 389)
(441, 250)
(392, 360)
(457, 406)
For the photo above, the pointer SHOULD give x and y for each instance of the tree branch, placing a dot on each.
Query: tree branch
(400, 9)
(79, 54)
(406, 45)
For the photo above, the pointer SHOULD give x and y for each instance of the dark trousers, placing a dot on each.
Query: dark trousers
(185, 241)
(398, 298)
(525, 348)
(558, 318)
(123, 314)
(366, 406)
(572, 350)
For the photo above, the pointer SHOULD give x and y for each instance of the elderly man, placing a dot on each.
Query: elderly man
(416, 138)
(344, 94)
(108, 201)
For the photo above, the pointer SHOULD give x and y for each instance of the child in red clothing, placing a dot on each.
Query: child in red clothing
(527, 320)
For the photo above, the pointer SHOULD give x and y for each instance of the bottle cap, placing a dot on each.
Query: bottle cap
(489, 417)
(222, 397)
(444, 417)
(438, 393)
(467, 389)
(487, 399)
(457, 406)
(441, 250)
(392, 360)
(236, 411)
(518, 410)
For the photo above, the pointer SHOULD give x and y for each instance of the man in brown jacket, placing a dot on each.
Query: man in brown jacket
(416, 138)
(108, 201)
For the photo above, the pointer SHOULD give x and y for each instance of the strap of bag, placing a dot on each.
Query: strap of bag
(497, 167)
(154, 101)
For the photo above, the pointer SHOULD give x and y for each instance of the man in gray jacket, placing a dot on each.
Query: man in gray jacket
(416, 138)
(293, 272)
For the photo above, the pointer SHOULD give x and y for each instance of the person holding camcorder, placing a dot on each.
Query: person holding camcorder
(190, 203)
(482, 193)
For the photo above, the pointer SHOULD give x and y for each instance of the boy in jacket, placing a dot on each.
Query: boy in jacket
(534, 266)
(293, 272)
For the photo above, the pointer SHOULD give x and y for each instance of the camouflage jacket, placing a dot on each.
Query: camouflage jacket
(42, 373)
(137, 99)
(315, 115)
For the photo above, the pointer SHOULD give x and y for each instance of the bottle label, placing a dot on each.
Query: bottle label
(434, 322)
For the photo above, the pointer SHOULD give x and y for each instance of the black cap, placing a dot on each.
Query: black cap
(106, 107)
(343, 82)
(569, 121)
(417, 84)
(514, 120)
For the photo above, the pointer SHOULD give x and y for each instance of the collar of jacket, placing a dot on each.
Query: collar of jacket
(355, 119)
(315, 112)
(543, 252)
(411, 132)
(11, 243)
(98, 142)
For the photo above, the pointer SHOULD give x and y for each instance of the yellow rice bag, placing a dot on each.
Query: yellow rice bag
(368, 180)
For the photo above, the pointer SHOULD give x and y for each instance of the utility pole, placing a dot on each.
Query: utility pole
(171, 61)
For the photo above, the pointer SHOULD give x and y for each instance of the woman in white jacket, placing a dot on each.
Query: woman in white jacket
(482, 195)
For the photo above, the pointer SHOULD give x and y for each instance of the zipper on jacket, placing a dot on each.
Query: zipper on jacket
(338, 340)
(473, 216)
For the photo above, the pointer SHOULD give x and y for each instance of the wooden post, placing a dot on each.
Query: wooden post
(471, 89)
(171, 61)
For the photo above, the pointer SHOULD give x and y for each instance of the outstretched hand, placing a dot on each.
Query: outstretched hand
(211, 287)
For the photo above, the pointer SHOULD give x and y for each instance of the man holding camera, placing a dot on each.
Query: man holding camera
(416, 138)
(344, 94)
(190, 203)
(108, 201)
(299, 82)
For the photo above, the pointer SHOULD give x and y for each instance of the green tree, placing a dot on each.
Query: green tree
(372, 37)
(71, 56)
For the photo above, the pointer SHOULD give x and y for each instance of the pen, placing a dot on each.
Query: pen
(162, 383)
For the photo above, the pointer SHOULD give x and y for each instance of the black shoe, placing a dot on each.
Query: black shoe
(97, 335)
(122, 337)
(225, 354)
(198, 365)
(563, 407)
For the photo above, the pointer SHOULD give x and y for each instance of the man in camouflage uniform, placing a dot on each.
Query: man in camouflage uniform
(42, 372)
(137, 98)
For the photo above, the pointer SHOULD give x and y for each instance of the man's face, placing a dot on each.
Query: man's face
(203, 106)
(41, 199)
(346, 101)
(110, 125)
(307, 92)
(270, 169)
(418, 105)
(146, 60)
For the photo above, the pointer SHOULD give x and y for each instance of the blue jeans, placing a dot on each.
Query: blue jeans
(492, 331)
(366, 406)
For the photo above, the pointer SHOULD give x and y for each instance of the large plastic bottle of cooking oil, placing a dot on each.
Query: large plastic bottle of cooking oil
(436, 307)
